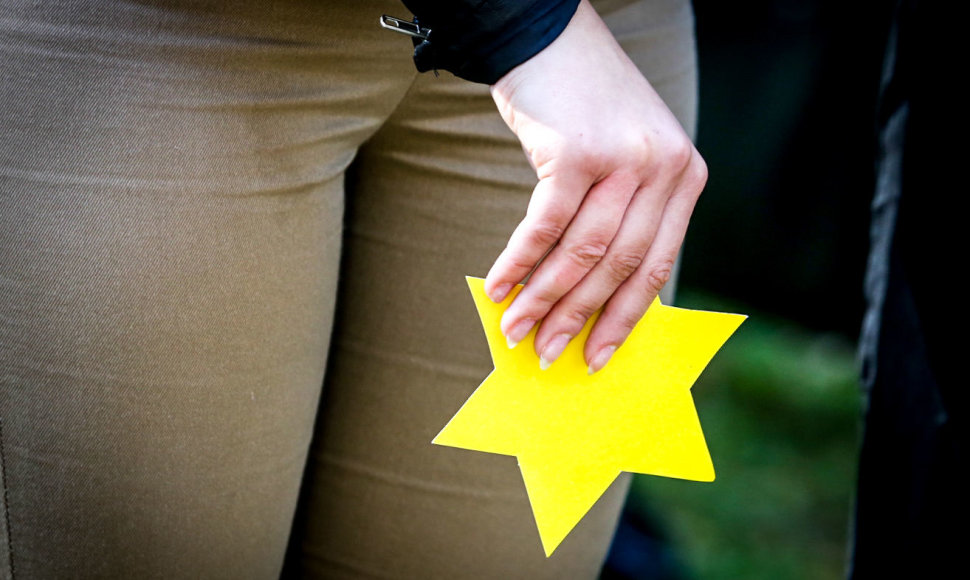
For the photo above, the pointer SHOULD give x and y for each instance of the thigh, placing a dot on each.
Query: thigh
(434, 196)
(171, 192)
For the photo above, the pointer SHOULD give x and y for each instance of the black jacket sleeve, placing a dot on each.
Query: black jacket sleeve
(481, 40)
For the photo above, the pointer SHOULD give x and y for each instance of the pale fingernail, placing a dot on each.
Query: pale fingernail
(599, 361)
(499, 293)
(553, 350)
(519, 331)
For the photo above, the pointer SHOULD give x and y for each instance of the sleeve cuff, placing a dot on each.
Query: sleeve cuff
(484, 43)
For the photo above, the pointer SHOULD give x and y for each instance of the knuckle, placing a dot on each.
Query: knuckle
(519, 263)
(669, 156)
(587, 254)
(640, 151)
(696, 176)
(643, 154)
(545, 299)
(678, 154)
(545, 234)
(547, 150)
(659, 274)
(572, 321)
(700, 171)
(579, 313)
(621, 265)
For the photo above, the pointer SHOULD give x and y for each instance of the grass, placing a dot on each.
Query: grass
(780, 410)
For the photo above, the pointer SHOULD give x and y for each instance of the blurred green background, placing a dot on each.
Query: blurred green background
(779, 406)
(788, 92)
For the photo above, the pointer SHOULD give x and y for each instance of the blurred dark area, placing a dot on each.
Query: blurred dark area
(787, 114)
(788, 95)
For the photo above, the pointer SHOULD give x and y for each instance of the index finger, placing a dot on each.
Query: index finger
(554, 202)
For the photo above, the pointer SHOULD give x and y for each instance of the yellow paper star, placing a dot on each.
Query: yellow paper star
(574, 433)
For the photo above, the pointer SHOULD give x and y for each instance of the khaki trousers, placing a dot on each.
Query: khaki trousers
(233, 240)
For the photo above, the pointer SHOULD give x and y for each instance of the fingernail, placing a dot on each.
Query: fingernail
(499, 293)
(553, 350)
(599, 361)
(519, 331)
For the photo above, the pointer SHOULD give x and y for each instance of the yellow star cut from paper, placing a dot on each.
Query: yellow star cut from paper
(573, 433)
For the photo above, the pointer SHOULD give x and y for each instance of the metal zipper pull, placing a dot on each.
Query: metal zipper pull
(404, 27)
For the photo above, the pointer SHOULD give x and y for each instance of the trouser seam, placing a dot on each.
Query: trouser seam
(6, 564)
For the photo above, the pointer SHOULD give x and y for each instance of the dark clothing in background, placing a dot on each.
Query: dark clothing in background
(914, 447)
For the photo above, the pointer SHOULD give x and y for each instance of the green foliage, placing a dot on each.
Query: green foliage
(780, 411)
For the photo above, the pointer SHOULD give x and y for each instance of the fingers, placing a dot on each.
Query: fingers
(585, 115)
(624, 256)
(554, 202)
(582, 246)
(630, 301)
(611, 243)
(633, 270)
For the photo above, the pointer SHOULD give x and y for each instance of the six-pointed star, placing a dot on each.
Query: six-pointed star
(573, 433)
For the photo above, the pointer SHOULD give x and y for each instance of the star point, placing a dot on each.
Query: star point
(574, 433)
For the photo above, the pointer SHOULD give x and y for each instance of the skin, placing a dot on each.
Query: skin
(618, 181)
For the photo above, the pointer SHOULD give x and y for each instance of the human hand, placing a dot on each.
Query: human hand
(618, 180)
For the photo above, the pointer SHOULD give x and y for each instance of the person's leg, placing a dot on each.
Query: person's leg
(171, 192)
(910, 484)
(434, 196)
